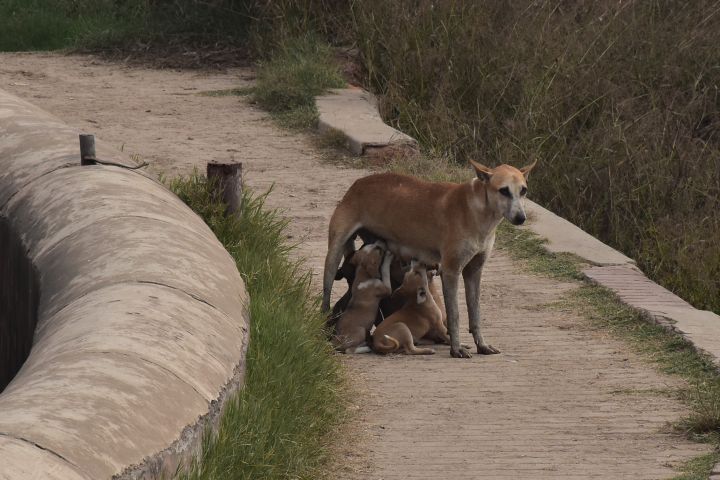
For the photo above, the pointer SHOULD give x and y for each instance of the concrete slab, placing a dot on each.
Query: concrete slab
(152, 323)
(141, 250)
(563, 236)
(634, 288)
(66, 201)
(100, 411)
(354, 112)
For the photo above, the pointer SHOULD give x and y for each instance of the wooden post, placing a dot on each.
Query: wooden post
(87, 149)
(227, 181)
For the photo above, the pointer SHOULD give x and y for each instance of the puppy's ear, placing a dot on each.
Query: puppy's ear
(483, 173)
(526, 169)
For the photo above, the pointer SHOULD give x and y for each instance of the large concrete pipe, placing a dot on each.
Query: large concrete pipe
(134, 315)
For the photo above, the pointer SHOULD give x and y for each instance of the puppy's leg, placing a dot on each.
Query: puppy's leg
(337, 311)
(403, 335)
(450, 278)
(472, 274)
(353, 341)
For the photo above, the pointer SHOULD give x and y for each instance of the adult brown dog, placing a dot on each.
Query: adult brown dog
(419, 317)
(446, 223)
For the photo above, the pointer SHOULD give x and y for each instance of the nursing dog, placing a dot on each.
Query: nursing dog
(438, 223)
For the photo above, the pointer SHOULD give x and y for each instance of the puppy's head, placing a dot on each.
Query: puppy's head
(506, 186)
(369, 258)
(415, 282)
(347, 269)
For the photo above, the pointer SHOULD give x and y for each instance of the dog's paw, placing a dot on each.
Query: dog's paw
(461, 352)
(487, 350)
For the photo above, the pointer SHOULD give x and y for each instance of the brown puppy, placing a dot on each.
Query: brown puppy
(388, 305)
(367, 289)
(419, 317)
(446, 223)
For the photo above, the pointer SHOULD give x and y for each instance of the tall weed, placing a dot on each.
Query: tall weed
(618, 100)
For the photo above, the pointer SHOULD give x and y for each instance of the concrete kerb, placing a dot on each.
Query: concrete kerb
(142, 323)
(354, 112)
(615, 271)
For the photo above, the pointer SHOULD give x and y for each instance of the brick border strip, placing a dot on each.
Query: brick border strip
(142, 319)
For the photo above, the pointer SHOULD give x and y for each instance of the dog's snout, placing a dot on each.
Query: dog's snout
(519, 219)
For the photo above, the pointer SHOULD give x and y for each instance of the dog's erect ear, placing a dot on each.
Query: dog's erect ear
(526, 169)
(483, 173)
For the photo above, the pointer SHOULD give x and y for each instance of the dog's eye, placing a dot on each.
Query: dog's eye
(523, 191)
(505, 191)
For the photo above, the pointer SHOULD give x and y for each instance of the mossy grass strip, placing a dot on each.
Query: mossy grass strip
(282, 423)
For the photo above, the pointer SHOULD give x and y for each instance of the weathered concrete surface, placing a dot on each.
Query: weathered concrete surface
(21, 459)
(700, 327)
(563, 236)
(142, 316)
(354, 112)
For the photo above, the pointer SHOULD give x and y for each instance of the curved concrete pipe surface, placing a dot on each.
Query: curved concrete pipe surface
(142, 320)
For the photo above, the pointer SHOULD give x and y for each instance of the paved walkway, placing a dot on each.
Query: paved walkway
(562, 401)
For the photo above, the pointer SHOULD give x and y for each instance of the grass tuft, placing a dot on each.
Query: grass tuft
(698, 468)
(285, 416)
(528, 247)
(287, 84)
(228, 92)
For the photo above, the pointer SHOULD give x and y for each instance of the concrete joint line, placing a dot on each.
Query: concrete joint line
(49, 450)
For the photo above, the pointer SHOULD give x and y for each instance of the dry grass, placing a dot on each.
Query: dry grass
(618, 100)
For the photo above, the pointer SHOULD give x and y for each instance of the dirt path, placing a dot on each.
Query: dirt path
(562, 401)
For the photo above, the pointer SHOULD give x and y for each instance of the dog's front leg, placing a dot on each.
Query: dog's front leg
(450, 278)
(472, 274)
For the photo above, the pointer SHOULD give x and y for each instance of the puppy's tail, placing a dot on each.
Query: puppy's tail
(396, 344)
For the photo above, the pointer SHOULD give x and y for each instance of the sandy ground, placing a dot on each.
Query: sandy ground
(562, 401)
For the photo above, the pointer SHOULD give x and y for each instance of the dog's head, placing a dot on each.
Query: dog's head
(347, 269)
(369, 258)
(415, 282)
(505, 187)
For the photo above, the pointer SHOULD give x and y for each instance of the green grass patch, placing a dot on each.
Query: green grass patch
(698, 468)
(51, 25)
(287, 84)
(283, 420)
(228, 92)
(529, 247)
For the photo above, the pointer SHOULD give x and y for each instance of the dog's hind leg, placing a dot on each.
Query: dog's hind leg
(342, 230)
(472, 274)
